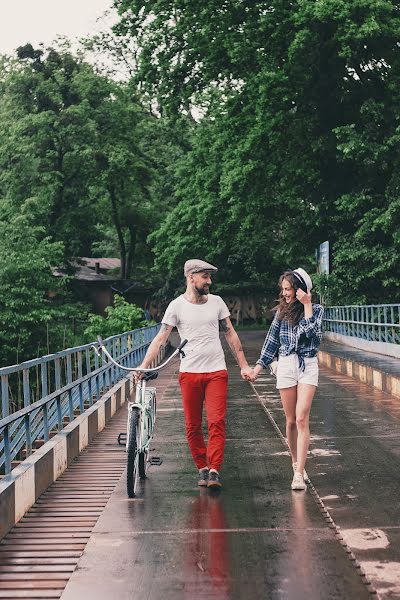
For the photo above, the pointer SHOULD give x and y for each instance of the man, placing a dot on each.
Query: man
(203, 378)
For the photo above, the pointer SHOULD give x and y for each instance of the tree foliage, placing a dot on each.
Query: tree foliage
(299, 142)
(36, 312)
(80, 172)
(123, 316)
(73, 139)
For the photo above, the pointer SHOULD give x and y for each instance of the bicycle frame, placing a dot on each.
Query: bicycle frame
(140, 426)
(143, 404)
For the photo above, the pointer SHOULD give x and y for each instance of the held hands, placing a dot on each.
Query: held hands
(249, 374)
(303, 297)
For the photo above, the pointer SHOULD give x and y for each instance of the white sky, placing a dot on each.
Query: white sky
(36, 21)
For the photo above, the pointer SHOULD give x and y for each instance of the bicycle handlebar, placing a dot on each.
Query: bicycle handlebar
(178, 350)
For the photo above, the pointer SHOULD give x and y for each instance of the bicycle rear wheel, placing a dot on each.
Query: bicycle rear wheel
(133, 454)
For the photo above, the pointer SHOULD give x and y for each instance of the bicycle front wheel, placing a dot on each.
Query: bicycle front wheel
(133, 454)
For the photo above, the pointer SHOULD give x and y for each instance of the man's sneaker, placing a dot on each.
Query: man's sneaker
(298, 482)
(305, 476)
(214, 480)
(203, 476)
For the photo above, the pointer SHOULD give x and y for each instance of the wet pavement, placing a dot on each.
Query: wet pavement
(257, 539)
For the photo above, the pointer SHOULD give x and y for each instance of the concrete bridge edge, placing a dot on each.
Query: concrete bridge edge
(375, 378)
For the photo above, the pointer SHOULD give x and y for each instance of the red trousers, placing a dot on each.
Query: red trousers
(209, 389)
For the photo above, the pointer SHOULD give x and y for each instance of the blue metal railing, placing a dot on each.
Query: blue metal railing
(372, 322)
(68, 383)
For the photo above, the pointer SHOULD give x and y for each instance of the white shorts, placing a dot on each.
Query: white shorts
(288, 373)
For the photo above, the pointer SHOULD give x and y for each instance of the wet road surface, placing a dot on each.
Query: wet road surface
(257, 539)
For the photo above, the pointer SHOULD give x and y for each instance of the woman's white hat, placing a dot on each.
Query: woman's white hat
(303, 277)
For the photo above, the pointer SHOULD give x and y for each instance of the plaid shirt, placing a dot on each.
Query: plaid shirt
(283, 338)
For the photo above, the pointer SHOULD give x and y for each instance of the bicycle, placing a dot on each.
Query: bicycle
(141, 419)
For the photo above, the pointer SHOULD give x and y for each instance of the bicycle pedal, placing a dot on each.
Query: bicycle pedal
(156, 460)
(122, 439)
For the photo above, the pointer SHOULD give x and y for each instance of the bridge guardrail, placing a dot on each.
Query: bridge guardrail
(372, 322)
(79, 386)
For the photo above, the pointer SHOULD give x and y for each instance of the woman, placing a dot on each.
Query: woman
(294, 337)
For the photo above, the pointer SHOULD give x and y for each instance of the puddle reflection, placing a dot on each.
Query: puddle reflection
(207, 568)
(302, 580)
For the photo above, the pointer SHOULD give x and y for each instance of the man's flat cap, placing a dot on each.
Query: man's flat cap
(196, 265)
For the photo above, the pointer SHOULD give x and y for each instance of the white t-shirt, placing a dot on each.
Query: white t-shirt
(199, 324)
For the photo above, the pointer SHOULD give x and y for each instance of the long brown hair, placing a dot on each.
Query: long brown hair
(294, 311)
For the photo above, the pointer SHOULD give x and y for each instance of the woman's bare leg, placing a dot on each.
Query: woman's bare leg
(305, 395)
(289, 399)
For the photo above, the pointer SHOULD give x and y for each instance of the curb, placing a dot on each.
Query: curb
(385, 382)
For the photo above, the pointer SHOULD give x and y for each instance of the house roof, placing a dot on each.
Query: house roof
(85, 271)
(105, 264)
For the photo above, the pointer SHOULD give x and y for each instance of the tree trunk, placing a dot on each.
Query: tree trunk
(131, 250)
(118, 227)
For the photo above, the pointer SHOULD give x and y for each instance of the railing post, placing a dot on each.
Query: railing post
(28, 440)
(5, 408)
(88, 366)
(27, 394)
(70, 405)
(80, 390)
(79, 359)
(392, 329)
(379, 323)
(45, 423)
(43, 377)
(59, 413)
(97, 389)
(69, 369)
(7, 454)
(398, 328)
(372, 323)
(366, 326)
(386, 324)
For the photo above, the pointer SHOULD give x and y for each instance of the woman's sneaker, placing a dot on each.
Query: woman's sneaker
(298, 482)
(305, 476)
(203, 476)
(214, 480)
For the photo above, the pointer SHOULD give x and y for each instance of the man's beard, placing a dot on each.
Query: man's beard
(202, 291)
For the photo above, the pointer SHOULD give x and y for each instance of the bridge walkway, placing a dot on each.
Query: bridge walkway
(257, 539)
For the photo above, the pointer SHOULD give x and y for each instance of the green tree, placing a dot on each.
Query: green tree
(49, 141)
(121, 317)
(71, 139)
(299, 142)
(35, 311)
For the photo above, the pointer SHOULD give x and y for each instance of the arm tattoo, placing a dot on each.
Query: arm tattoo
(223, 325)
(164, 327)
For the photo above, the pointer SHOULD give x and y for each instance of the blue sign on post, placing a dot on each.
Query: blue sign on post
(322, 253)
